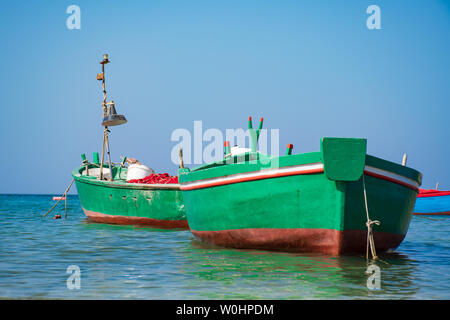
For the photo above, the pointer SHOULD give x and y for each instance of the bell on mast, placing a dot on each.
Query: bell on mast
(110, 116)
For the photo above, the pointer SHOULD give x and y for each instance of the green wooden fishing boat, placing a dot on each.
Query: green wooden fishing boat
(107, 197)
(310, 202)
(119, 202)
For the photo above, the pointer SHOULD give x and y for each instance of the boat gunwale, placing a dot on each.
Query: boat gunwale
(267, 171)
(271, 174)
(120, 185)
(295, 160)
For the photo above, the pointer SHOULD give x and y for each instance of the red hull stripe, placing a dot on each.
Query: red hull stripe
(327, 241)
(124, 220)
(311, 168)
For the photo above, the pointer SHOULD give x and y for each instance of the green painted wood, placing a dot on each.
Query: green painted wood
(394, 167)
(95, 158)
(289, 149)
(344, 159)
(227, 148)
(127, 199)
(302, 201)
(258, 132)
(309, 201)
(253, 139)
(390, 203)
(248, 162)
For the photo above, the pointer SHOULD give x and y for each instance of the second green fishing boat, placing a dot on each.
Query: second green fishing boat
(119, 202)
(113, 193)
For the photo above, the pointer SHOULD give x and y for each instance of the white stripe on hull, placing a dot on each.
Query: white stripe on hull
(310, 168)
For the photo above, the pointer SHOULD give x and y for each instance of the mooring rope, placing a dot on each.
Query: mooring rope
(63, 196)
(369, 223)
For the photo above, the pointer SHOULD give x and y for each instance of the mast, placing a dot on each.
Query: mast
(110, 118)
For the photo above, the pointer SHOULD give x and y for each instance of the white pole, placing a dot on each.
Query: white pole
(405, 157)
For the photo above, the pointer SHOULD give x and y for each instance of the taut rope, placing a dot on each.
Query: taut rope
(369, 223)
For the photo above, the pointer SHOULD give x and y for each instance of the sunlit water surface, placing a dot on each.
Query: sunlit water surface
(128, 262)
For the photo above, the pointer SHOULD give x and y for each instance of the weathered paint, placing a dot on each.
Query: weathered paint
(344, 159)
(246, 204)
(327, 241)
(143, 221)
(118, 202)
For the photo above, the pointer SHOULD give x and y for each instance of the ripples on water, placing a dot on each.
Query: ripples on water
(128, 262)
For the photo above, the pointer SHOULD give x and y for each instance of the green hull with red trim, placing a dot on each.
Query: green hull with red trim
(119, 202)
(312, 202)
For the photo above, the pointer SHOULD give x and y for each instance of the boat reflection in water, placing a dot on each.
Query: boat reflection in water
(252, 274)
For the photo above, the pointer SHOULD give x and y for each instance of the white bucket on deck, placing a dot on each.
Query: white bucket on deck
(138, 171)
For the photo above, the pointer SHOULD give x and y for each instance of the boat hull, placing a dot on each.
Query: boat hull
(125, 203)
(326, 241)
(297, 207)
(433, 205)
(132, 220)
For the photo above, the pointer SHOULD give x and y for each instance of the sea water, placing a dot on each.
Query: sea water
(38, 257)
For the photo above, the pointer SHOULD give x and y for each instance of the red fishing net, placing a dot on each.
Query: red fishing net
(155, 178)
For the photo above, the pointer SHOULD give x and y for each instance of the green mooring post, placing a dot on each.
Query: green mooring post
(85, 163)
(259, 128)
(253, 135)
(289, 149)
(95, 158)
(227, 147)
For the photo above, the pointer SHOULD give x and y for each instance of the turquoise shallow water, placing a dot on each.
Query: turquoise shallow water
(127, 262)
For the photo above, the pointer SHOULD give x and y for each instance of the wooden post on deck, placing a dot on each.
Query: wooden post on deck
(405, 157)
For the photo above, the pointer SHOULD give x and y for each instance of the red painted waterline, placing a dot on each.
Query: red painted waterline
(326, 241)
(124, 220)
(283, 174)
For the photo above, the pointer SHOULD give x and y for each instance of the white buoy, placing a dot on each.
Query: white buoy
(138, 171)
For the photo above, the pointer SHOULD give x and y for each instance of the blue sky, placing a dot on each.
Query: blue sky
(310, 68)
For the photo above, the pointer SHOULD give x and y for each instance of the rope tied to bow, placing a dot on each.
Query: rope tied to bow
(369, 224)
(370, 240)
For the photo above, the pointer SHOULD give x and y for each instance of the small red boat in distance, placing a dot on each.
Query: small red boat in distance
(432, 202)
(59, 198)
